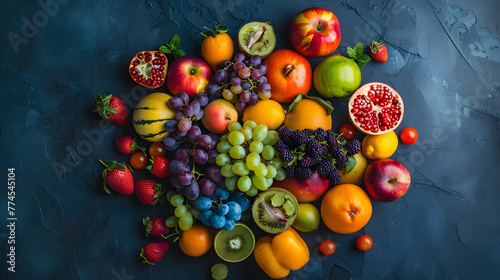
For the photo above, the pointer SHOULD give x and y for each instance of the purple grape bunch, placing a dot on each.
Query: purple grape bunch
(241, 81)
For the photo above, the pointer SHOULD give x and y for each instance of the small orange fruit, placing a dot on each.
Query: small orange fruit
(197, 240)
(346, 208)
(268, 112)
(217, 46)
(308, 113)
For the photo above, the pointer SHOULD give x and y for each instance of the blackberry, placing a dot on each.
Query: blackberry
(303, 172)
(290, 171)
(341, 140)
(324, 166)
(286, 135)
(308, 132)
(332, 140)
(324, 149)
(353, 147)
(339, 156)
(320, 134)
(316, 160)
(306, 162)
(333, 176)
(299, 137)
(313, 147)
(283, 151)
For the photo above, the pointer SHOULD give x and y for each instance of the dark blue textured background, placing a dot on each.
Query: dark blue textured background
(444, 61)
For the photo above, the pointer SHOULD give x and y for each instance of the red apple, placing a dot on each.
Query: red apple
(305, 190)
(386, 179)
(189, 74)
(217, 115)
(315, 32)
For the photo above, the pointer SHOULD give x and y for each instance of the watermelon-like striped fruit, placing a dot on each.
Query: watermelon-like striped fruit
(150, 116)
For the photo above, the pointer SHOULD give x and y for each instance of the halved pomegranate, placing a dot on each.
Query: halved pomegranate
(149, 68)
(376, 108)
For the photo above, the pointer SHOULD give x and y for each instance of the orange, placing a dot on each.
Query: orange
(217, 46)
(197, 240)
(308, 113)
(380, 146)
(268, 112)
(346, 208)
(289, 75)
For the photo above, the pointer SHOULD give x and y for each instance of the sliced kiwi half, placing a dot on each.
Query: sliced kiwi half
(257, 38)
(275, 210)
(234, 245)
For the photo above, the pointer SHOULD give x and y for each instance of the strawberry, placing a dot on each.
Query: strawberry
(153, 252)
(111, 108)
(378, 52)
(159, 167)
(118, 177)
(149, 192)
(126, 144)
(155, 226)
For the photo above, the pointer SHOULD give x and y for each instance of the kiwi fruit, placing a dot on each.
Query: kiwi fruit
(234, 245)
(257, 38)
(275, 210)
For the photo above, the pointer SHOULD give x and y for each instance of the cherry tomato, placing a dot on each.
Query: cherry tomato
(364, 242)
(409, 135)
(348, 131)
(138, 160)
(157, 149)
(327, 247)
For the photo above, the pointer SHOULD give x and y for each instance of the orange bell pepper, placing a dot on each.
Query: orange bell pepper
(277, 256)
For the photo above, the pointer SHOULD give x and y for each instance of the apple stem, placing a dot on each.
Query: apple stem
(319, 27)
(288, 70)
(393, 180)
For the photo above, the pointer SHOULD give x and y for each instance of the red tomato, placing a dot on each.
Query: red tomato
(157, 149)
(348, 131)
(138, 160)
(364, 242)
(409, 135)
(327, 247)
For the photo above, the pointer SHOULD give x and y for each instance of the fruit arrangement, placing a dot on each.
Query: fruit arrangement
(222, 153)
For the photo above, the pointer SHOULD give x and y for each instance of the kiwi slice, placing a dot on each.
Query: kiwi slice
(257, 38)
(275, 210)
(234, 245)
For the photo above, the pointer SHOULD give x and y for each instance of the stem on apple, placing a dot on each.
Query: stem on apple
(288, 70)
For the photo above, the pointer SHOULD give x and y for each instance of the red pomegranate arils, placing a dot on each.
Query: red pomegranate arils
(149, 68)
(376, 108)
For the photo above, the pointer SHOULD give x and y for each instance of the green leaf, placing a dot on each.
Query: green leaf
(328, 106)
(351, 163)
(164, 49)
(178, 52)
(174, 42)
(358, 48)
(362, 60)
(351, 53)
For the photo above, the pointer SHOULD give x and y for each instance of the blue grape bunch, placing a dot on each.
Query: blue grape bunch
(222, 209)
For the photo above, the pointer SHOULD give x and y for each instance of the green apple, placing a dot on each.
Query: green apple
(337, 76)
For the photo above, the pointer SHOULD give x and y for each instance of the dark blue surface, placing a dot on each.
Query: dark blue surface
(444, 61)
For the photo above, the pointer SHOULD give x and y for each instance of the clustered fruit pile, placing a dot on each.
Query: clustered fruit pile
(306, 151)
(221, 174)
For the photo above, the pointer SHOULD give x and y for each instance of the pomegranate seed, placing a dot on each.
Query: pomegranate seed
(157, 54)
(140, 56)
